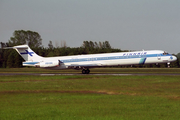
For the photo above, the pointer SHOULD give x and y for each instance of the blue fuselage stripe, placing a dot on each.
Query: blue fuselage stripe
(142, 61)
(30, 63)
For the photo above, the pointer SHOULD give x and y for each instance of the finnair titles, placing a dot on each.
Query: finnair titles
(85, 62)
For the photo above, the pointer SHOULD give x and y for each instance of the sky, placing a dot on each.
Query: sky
(126, 24)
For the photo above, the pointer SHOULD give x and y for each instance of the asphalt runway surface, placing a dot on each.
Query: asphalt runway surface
(116, 74)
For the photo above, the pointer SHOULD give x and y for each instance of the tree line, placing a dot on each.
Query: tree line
(9, 58)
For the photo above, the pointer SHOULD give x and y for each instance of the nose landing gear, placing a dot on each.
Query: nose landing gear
(85, 71)
(168, 64)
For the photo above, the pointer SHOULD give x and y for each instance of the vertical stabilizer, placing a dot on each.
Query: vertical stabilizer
(26, 52)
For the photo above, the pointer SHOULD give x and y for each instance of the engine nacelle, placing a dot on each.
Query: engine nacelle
(46, 64)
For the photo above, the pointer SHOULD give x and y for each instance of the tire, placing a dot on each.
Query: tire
(87, 71)
(83, 71)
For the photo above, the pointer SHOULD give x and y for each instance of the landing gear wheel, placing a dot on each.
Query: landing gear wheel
(85, 71)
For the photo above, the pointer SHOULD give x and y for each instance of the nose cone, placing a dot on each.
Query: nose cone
(173, 58)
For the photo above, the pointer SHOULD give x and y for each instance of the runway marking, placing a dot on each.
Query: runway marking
(85, 74)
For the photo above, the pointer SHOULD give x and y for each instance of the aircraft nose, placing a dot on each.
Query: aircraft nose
(173, 58)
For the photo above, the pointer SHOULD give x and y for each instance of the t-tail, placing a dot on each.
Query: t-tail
(30, 57)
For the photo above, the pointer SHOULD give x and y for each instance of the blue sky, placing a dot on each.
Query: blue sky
(126, 24)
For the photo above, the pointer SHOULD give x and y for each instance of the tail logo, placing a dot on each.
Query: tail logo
(27, 52)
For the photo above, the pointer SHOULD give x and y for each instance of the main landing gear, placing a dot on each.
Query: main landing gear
(85, 71)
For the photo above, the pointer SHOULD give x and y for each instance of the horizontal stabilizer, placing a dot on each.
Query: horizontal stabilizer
(17, 47)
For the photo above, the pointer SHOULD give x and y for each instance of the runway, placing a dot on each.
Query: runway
(114, 74)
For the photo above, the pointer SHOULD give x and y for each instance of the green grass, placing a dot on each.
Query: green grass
(87, 106)
(89, 97)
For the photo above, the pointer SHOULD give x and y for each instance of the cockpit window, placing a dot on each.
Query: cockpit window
(165, 53)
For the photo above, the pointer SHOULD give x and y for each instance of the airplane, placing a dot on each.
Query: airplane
(85, 62)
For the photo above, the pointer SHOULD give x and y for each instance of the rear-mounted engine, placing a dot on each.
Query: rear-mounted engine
(46, 64)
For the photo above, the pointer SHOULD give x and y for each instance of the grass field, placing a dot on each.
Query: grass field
(90, 97)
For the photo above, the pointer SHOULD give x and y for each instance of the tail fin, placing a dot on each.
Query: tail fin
(26, 52)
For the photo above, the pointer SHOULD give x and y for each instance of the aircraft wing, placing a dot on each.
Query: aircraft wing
(83, 65)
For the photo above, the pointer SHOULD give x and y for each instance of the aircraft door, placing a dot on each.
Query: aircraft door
(159, 57)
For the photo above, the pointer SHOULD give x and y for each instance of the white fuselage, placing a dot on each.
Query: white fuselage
(85, 62)
(105, 59)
